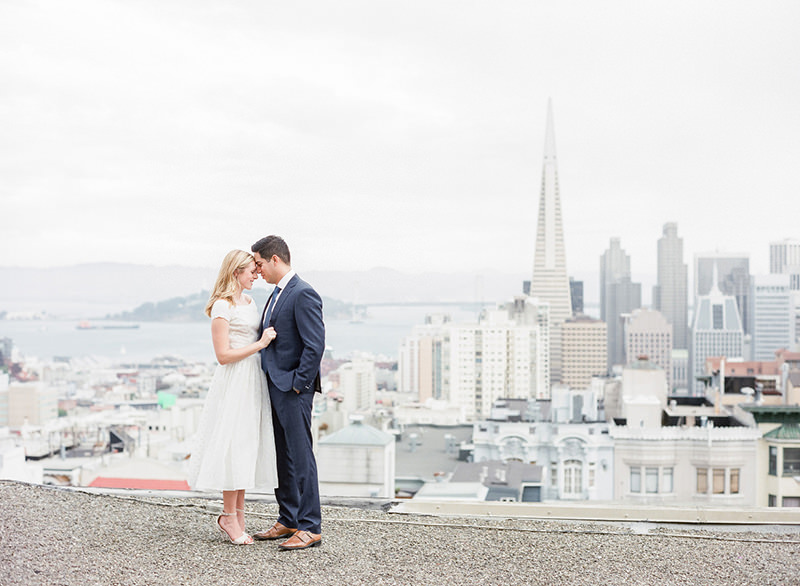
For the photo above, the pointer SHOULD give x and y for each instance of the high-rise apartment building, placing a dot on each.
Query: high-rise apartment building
(33, 403)
(495, 358)
(550, 282)
(357, 385)
(471, 365)
(716, 331)
(618, 296)
(670, 294)
(584, 346)
(773, 315)
(733, 278)
(529, 311)
(422, 360)
(649, 334)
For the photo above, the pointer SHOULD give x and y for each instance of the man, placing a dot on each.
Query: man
(292, 363)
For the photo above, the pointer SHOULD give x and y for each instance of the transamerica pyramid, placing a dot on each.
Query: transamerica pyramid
(550, 282)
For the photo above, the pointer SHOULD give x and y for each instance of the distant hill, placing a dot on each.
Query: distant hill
(176, 309)
(90, 291)
(191, 308)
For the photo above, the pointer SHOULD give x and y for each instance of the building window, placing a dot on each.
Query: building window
(651, 480)
(702, 480)
(554, 475)
(636, 480)
(734, 481)
(719, 481)
(717, 317)
(773, 461)
(772, 501)
(573, 477)
(592, 468)
(791, 501)
(666, 480)
(791, 461)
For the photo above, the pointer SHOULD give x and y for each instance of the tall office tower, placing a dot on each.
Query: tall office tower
(680, 370)
(576, 295)
(583, 346)
(733, 278)
(670, 295)
(784, 258)
(550, 282)
(493, 359)
(716, 331)
(618, 295)
(773, 315)
(648, 333)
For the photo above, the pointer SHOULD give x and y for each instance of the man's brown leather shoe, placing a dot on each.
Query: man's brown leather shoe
(302, 540)
(275, 532)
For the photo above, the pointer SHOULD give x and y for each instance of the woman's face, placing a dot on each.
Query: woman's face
(247, 275)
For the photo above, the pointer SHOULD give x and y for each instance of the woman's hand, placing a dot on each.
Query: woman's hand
(267, 336)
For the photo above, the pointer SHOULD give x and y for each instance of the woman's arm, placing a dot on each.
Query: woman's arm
(222, 344)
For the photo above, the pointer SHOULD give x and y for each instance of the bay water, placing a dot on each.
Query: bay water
(380, 333)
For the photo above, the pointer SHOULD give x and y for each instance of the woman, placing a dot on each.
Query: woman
(235, 449)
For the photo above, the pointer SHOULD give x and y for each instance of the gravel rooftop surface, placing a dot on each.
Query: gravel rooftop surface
(56, 536)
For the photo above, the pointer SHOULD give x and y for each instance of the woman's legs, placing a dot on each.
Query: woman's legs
(229, 521)
(240, 508)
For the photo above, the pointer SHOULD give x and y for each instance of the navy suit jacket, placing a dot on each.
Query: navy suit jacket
(292, 360)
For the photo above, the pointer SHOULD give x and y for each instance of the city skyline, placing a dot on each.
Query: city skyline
(154, 135)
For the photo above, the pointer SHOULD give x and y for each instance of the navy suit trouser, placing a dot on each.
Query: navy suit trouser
(298, 489)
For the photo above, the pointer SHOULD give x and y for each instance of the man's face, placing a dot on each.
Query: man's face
(266, 268)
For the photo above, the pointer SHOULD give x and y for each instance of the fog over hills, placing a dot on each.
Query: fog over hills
(92, 290)
(95, 289)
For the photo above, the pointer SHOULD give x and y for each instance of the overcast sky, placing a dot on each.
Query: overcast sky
(400, 134)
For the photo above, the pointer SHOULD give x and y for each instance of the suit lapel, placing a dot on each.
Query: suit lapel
(285, 294)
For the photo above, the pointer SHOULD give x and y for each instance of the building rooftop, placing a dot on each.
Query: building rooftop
(497, 472)
(358, 434)
(422, 451)
(88, 537)
(745, 367)
(773, 413)
(787, 431)
(788, 356)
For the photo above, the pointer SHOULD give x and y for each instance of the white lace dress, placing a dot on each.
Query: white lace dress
(234, 447)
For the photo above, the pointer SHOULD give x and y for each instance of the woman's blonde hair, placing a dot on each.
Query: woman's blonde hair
(225, 286)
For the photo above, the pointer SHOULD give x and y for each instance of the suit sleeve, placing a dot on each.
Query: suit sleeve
(310, 326)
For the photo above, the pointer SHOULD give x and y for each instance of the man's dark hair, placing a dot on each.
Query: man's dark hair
(273, 245)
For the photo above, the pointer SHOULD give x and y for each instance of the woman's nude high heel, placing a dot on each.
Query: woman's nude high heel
(243, 539)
